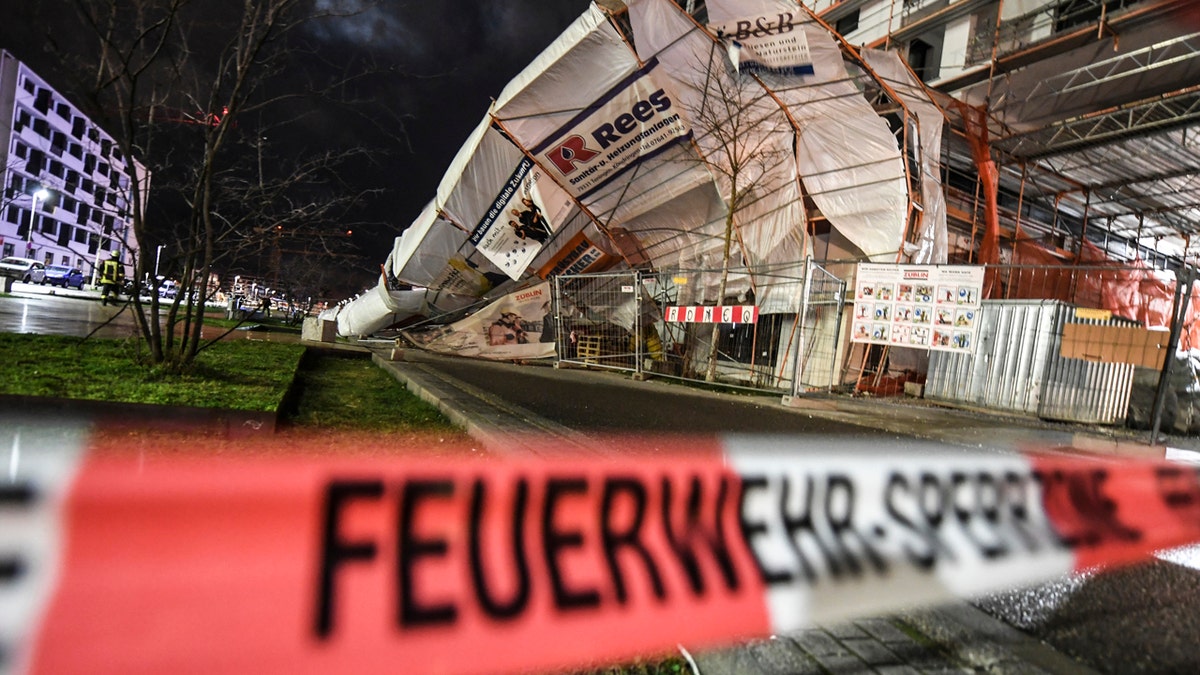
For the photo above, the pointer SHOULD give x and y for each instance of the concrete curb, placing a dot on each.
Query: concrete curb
(499, 426)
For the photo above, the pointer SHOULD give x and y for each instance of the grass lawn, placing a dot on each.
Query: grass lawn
(237, 375)
(336, 392)
(346, 391)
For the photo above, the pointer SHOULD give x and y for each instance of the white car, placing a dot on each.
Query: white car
(22, 269)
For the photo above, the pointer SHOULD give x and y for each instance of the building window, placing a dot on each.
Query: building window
(847, 24)
(89, 164)
(77, 127)
(49, 257)
(29, 86)
(63, 110)
(66, 260)
(24, 119)
(57, 169)
(14, 214)
(8, 250)
(42, 102)
(37, 161)
(41, 128)
(919, 53)
(76, 150)
(21, 150)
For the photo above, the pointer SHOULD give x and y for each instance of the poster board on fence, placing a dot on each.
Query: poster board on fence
(920, 306)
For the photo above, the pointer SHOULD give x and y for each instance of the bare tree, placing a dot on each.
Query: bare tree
(736, 121)
(184, 87)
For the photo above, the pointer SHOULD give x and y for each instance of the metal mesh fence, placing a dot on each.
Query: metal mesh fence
(1063, 369)
(643, 322)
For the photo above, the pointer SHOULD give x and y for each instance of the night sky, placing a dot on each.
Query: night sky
(442, 62)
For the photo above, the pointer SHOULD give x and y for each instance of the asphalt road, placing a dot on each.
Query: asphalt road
(1143, 619)
(47, 310)
(602, 402)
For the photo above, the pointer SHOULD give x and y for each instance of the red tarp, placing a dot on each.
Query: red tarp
(1132, 290)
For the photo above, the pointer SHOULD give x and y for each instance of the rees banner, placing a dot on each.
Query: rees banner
(632, 122)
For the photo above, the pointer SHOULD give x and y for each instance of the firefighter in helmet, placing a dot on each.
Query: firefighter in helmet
(112, 275)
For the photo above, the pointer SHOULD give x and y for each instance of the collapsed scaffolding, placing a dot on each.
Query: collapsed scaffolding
(745, 176)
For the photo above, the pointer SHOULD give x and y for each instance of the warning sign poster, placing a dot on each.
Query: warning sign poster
(919, 306)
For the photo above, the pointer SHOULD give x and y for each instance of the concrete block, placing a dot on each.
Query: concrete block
(914, 389)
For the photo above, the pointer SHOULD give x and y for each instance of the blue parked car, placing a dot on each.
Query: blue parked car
(61, 275)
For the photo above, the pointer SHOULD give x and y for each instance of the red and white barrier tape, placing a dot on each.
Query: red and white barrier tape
(318, 563)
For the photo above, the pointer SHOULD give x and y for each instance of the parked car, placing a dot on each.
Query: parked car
(61, 275)
(22, 269)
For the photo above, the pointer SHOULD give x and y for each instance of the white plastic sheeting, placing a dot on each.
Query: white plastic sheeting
(378, 308)
(746, 140)
(931, 246)
(848, 158)
(613, 148)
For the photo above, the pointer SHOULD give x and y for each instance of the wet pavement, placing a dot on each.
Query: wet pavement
(47, 310)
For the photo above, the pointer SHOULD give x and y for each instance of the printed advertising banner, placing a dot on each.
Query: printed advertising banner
(919, 306)
(517, 326)
(773, 43)
(458, 276)
(632, 122)
(515, 228)
(579, 256)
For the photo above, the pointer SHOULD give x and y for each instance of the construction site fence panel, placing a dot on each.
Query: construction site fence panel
(643, 322)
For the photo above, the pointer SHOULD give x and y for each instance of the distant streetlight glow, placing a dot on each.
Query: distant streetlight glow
(40, 195)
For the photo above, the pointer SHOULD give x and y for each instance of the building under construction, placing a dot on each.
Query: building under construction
(691, 189)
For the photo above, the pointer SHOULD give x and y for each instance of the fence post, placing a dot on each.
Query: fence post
(637, 324)
(556, 308)
(1184, 277)
(796, 370)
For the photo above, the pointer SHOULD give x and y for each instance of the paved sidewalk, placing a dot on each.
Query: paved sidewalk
(956, 638)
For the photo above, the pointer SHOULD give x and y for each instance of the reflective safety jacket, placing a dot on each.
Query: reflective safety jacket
(112, 272)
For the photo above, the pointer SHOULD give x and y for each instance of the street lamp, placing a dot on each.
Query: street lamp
(41, 194)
